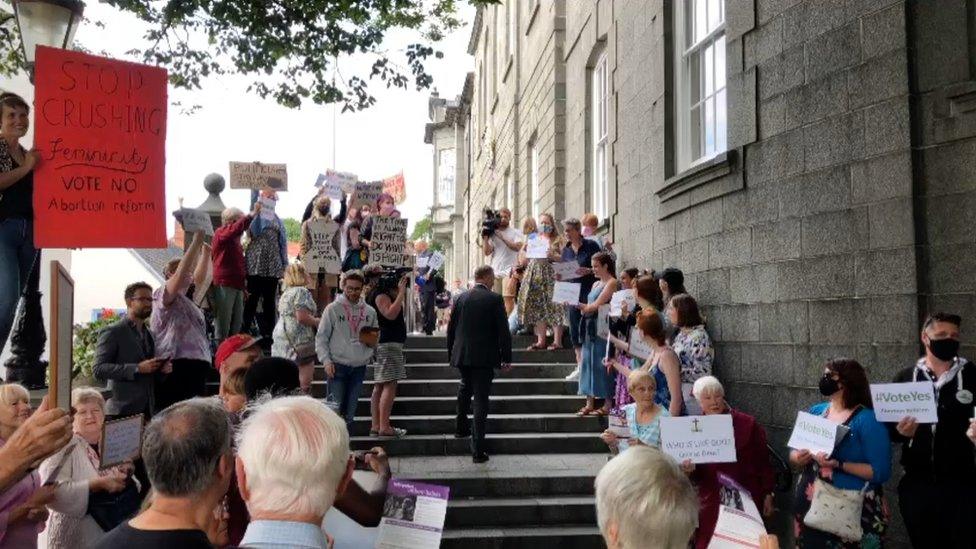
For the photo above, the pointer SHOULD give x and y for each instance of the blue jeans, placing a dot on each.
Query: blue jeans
(16, 257)
(345, 388)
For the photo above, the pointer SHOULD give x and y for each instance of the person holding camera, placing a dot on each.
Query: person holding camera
(501, 244)
(388, 297)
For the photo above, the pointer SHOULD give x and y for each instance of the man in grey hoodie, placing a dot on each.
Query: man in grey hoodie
(345, 343)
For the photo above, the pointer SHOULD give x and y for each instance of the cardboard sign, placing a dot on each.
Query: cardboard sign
(894, 401)
(100, 129)
(255, 175)
(324, 242)
(268, 206)
(702, 439)
(815, 433)
(344, 180)
(195, 221)
(638, 347)
(566, 293)
(367, 192)
(537, 247)
(62, 336)
(622, 297)
(566, 270)
(121, 441)
(387, 245)
(413, 515)
(436, 261)
(396, 187)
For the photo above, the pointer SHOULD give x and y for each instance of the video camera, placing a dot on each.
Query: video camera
(490, 222)
(388, 277)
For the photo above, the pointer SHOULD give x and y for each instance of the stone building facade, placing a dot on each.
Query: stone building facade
(809, 164)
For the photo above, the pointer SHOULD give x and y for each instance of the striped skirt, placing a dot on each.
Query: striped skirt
(390, 363)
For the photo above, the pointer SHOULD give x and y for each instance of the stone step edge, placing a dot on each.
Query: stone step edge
(442, 417)
(547, 501)
(533, 532)
(489, 436)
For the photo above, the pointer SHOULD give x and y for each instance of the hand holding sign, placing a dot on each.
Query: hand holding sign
(566, 293)
(894, 402)
(700, 439)
(196, 221)
(121, 441)
(815, 434)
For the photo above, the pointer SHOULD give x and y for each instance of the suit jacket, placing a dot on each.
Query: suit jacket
(117, 356)
(478, 336)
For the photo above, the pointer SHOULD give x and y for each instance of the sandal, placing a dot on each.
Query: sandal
(536, 347)
(554, 347)
(585, 411)
(374, 433)
(600, 412)
(397, 433)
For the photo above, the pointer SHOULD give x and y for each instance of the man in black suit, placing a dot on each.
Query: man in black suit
(125, 357)
(478, 342)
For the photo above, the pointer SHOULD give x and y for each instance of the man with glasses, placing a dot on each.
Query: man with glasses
(125, 357)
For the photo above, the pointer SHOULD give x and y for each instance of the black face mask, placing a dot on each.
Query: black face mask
(944, 349)
(828, 385)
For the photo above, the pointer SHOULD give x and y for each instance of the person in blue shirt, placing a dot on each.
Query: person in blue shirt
(860, 461)
(580, 250)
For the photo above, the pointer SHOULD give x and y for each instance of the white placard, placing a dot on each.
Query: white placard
(257, 175)
(566, 270)
(537, 247)
(436, 261)
(422, 262)
(814, 433)
(324, 243)
(702, 439)
(387, 244)
(566, 293)
(620, 298)
(603, 322)
(268, 207)
(638, 347)
(345, 181)
(195, 221)
(121, 440)
(895, 401)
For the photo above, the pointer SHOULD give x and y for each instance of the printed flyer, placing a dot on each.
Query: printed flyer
(413, 515)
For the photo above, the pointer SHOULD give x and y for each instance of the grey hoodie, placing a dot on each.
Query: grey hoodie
(335, 341)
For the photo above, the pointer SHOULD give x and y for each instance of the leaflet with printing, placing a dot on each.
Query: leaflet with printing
(739, 522)
(413, 515)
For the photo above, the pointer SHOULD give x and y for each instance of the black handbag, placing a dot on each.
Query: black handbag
(111, 510)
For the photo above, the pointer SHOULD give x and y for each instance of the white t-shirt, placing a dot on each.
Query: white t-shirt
(504, 257)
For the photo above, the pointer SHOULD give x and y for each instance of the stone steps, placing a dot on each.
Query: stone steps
(497, 423)
(449, 387)
(534, 404)
(519, 356)
(504, 443)
(582, 536)
(515, 512)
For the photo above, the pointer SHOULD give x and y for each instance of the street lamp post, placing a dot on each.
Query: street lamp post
(40, 23)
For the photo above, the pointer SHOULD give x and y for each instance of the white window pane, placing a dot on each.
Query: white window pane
(694, 75)
(714, 14)
(709, 126)
(689, 16)
(709, 72)
(721, 122)
(695, 134)
(720, 63)
(701, 20)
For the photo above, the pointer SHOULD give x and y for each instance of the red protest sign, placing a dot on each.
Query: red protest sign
(100, 128)
(396, 187)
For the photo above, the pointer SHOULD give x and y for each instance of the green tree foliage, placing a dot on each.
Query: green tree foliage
(293, 229)
(86, 336)
(424, 230)
(286, 49)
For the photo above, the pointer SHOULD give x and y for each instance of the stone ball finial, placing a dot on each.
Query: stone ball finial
(214, 183)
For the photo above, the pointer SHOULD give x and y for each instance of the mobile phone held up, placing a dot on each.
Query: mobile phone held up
(360, 457)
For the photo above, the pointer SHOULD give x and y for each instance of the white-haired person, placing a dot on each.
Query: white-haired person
(643, 415)
(229, 271)
(76, 470)
(22, 504)
(643, 500)
(293, 461)
(751, 468)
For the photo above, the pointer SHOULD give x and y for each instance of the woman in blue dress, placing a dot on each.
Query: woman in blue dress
(595, 381)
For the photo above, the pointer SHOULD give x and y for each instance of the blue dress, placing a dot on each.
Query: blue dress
(594, 379)
(648, 433)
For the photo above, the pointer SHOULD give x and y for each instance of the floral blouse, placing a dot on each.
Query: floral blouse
(695, 351)
(289, 333)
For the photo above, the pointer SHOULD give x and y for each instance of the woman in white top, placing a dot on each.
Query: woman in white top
(75, 469)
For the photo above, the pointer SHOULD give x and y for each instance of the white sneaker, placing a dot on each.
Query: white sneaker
(574, 375)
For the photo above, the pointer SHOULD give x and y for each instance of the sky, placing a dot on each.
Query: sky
(233, 125)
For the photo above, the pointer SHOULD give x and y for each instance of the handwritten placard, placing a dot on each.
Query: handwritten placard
(619, 299)
(367, 192)
(638, 347)
(396, 186)
(195, 221)
(814, 433)
(566, 293)
(257, 175)
(389, 237)
(895, 401)
(343, 180)
(436, 261)
(100, 129)
(121, 441)
(567, 270)
(324, 241)
(701, 439)
(537, 247)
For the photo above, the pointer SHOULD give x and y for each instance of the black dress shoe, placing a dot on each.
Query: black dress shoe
(462, 434)
(479, 458)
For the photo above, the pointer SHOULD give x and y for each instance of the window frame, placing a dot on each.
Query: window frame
(446, 198)
(691, 144)
(599, 105)
(535, 186)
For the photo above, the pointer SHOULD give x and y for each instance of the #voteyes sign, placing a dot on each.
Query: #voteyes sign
(566, 293)
(537, 247)
(815, 433)
(100, 129)
(702, 439)
(620, 298)
(894, 401)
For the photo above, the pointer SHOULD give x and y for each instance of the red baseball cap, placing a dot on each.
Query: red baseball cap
(231, 345)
